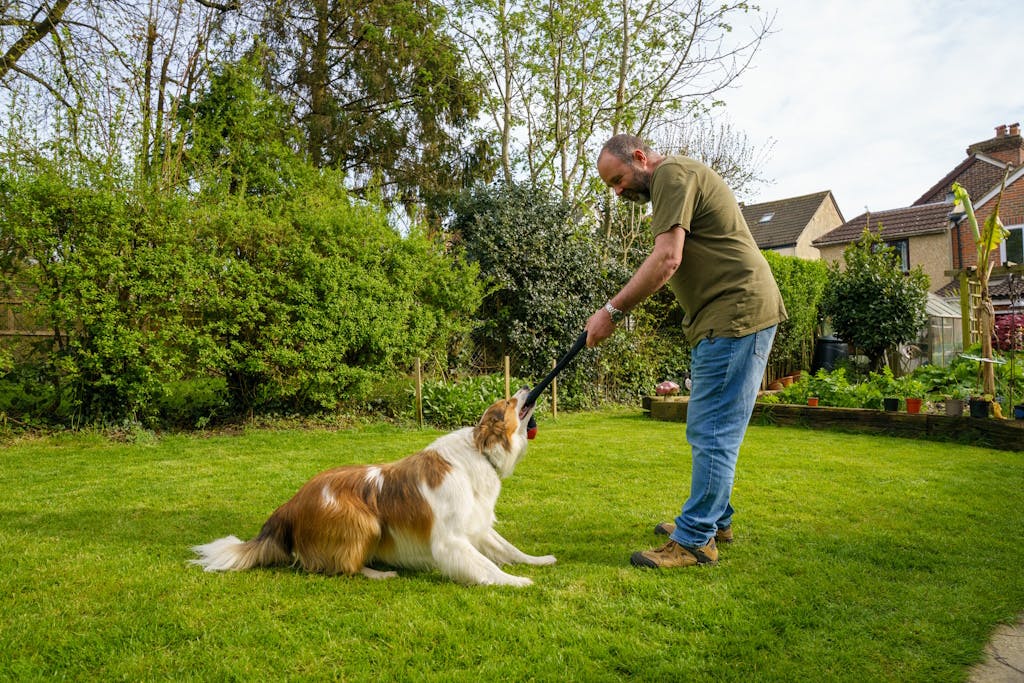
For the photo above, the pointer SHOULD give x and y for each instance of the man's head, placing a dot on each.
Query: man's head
(625, 165)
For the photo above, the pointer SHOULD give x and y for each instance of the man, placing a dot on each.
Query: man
(704, 251)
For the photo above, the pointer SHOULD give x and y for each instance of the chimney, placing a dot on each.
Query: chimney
(1007, 146)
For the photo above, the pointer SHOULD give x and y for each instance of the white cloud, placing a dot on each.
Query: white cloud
(877, 100)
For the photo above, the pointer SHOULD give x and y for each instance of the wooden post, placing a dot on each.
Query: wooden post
(419, 393)
(554, 393)
(508, 380)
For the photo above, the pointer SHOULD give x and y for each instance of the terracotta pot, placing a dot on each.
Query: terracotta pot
(775, 386)
(786, 381)
(812, 400)
(914, 405)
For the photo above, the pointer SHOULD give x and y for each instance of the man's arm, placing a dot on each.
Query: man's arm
(651, 276)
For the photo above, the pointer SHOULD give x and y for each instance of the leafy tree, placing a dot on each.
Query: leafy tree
(380, 90)
(543, 271)
(872, 304)
(239, 137)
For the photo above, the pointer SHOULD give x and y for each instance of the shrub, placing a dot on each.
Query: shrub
(872, 304)
(802, 285)
(450, 404)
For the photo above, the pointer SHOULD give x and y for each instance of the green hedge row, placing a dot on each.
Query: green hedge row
(298, 302)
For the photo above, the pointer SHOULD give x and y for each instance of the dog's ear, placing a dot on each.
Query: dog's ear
(496, 427)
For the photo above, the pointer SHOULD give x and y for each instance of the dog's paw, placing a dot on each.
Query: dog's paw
(545, 560)
(377, 574)
(517, 581)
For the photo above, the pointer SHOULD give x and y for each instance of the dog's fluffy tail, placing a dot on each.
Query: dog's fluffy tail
(271, 547)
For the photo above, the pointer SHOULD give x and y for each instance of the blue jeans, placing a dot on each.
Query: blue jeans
(726, 375)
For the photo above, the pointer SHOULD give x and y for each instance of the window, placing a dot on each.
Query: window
(767, 217)
(1012, 248)
(902, 248)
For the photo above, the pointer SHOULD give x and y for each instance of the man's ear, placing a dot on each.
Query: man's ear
(639, 157)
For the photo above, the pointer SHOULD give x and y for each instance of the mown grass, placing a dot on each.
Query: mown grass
(858, 558)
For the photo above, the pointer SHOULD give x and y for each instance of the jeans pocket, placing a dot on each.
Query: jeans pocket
(763, 341)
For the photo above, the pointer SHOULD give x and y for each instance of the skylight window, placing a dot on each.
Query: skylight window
(767, 217)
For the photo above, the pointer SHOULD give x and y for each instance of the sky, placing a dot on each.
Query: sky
(876, 100)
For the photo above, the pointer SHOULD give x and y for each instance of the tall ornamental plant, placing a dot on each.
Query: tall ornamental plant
(987, 238)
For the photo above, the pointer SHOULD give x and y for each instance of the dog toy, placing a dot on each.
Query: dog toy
(531, 398)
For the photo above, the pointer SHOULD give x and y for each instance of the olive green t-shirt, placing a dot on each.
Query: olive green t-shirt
(724, 283)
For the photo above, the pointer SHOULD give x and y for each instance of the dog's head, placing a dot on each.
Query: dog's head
(501, 433)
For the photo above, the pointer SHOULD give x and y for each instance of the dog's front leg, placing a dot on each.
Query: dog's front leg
(459, 560)
(501, 551)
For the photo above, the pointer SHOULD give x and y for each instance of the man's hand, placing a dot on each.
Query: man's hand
(599, 327)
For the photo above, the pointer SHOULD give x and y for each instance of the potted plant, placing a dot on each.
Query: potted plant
(980, 405)
(954, 400)
(913, 392)
(888, 387)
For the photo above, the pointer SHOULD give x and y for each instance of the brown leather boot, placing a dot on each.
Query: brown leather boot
(672, 555)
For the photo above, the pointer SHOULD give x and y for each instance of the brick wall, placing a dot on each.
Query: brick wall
(1011, 211)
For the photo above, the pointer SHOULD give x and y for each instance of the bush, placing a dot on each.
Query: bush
(872, 304)
(450, 404)
(802, 285)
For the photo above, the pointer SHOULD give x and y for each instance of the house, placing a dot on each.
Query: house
(933, 234)
(919, 234)
(789, 226)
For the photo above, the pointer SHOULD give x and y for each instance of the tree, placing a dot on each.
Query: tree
(543, 270)
(380, 91)
(872, 304)
(98, 80)
(564, 73)
(239, 138)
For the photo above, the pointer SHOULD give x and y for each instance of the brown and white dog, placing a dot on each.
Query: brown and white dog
(432, 509)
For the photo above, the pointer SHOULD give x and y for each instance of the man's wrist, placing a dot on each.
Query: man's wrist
(616, 315)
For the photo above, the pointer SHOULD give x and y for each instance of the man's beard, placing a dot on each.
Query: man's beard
(640, 191)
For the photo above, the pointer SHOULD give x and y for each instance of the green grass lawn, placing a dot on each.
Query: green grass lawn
(857, 558)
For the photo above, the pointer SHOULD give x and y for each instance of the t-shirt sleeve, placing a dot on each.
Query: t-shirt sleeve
(673, 198)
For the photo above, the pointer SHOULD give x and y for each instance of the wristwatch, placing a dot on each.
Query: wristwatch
(616, 315)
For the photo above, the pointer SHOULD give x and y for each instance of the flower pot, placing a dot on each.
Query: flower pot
(891, 404)
(954, 407)
(1018, 412)
(786, 381)
(979, 407)
(775, 386)
(812, 400)
(913, 405)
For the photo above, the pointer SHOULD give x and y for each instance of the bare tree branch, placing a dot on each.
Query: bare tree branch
(222, 6)
(33, 35)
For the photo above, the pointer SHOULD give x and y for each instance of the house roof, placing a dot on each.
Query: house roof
(977, 173)
(896, 224)
(779, 223)
(998, 288)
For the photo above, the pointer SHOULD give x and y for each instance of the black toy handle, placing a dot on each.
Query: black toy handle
(532, 397)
